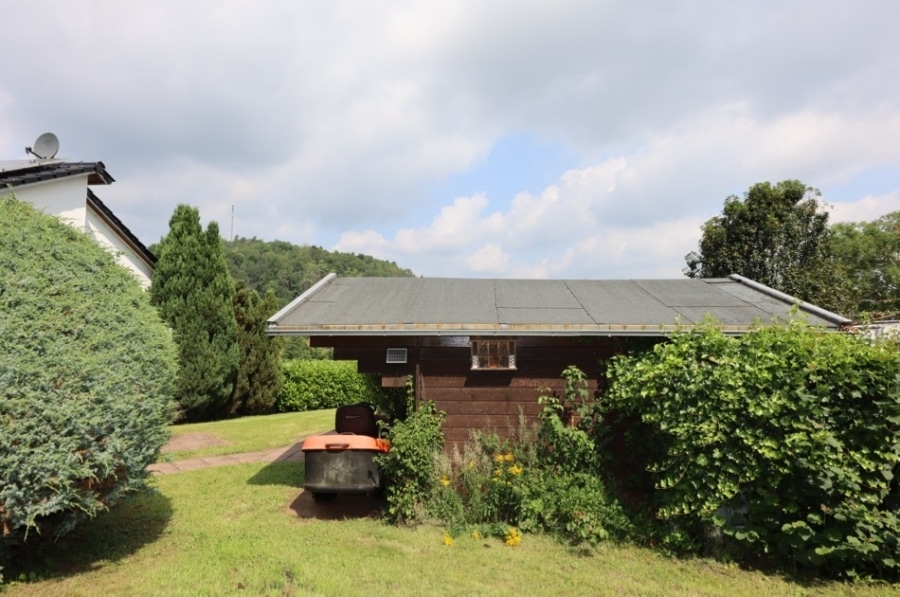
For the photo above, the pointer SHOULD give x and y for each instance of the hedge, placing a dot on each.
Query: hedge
(788, 439)
(313, 385)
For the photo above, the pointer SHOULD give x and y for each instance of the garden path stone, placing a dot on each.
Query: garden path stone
(292, 453)
(193, 441)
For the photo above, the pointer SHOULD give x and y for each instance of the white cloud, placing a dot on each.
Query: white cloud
(328, 123)
(866, 209)
(489, 259)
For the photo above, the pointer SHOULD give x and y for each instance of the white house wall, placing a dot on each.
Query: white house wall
(64, 197)
(125, 255)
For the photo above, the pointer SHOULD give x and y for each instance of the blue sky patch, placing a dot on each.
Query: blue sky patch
(516, 163)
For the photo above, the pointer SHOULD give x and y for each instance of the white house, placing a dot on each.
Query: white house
(62, 188)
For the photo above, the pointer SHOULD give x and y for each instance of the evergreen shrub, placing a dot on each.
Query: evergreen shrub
(194, 295)
(260, 373)
(87, 373)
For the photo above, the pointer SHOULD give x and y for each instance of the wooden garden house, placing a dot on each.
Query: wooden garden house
(483, 349)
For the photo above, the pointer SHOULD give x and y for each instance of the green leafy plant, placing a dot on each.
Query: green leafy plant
(569, 426)
(410, 465)
(545, 480)
(87, 372)
(786, 439)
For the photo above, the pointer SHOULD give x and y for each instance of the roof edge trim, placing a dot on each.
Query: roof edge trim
(273, 321)
(777, 294)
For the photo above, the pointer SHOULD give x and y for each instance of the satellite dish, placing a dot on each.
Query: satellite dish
(45, 146)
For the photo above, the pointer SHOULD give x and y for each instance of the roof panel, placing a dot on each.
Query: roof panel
(530, 293)
(620, 302)
(688, 293)
(346, 302)
(775, 309)
(745, 314)
(512, 316)
(435, 306)
(48, 170)
(448, 300)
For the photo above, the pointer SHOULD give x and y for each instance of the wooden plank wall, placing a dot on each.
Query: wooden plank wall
(493, 400)
(487, 400)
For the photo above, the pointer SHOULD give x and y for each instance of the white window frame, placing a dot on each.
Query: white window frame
(395, 356)
(493, 354)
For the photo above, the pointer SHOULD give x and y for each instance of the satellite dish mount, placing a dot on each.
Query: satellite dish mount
(45, 147)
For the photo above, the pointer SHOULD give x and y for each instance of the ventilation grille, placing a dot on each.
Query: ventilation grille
(396, 355)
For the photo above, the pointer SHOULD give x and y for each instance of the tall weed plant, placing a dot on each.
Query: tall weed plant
(410, 466)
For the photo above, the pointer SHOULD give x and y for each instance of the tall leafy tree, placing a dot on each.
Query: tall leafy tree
(777, 235)
(260, 375)
(868, 255)
(193, 292)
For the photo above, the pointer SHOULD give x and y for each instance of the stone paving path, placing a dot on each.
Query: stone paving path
(291, 453)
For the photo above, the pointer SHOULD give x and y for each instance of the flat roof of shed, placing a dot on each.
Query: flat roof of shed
(498, 307)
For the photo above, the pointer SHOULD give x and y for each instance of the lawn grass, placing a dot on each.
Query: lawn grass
(227, 530)
(251, 434)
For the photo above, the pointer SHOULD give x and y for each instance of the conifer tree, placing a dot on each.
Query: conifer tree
(193, 292)
(260, 375)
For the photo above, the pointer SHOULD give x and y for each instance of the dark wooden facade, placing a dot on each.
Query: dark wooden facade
(477, 399)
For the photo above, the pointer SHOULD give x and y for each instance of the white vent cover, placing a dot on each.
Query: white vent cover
(396, 355)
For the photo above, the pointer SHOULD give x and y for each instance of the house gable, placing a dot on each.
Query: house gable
(60, 188)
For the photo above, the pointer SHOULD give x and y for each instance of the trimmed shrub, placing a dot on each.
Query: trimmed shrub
(87, 373)
(314, 385)
(786, 438)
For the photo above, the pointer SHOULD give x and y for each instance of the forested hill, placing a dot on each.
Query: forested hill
(291, 269)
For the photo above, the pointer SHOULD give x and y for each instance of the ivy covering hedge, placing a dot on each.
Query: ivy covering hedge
(313, 385)
(86, 377)
(787, 438)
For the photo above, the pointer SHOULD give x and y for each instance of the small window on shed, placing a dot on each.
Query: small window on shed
(493, 354)
(396, 355)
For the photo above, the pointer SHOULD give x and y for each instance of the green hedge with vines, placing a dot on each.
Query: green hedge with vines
(788, 439)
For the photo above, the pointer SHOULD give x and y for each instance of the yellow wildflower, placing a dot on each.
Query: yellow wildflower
(476, 535)
(515, 469)
(448, 540)
(445, 481)
(513, 537)
(509, 457)
(499, 458)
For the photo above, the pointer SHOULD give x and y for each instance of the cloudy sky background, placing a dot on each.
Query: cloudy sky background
(563, 139)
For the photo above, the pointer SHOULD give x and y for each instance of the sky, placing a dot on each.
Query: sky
(462, 138)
